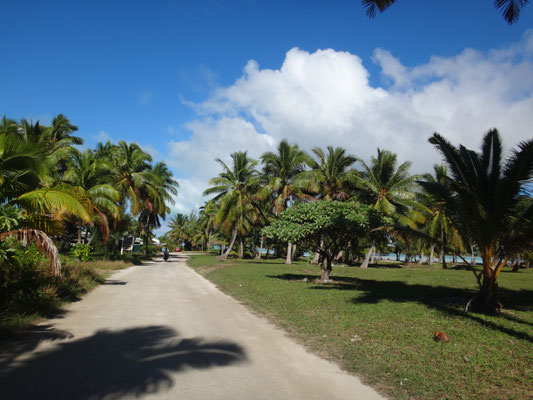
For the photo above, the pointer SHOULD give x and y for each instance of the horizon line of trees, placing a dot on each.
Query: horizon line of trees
(292, 201)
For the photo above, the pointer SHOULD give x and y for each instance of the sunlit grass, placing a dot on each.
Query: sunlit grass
(379, 323)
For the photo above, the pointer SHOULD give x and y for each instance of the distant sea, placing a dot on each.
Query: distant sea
(449, 259)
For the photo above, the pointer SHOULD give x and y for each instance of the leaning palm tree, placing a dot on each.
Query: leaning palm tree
(485, 199)
(509, 8)
(235, 189)
(286, 182)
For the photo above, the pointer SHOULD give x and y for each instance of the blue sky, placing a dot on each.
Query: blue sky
(171, 75)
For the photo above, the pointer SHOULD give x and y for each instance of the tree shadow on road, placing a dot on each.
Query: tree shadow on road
(14, 345)
(112, 364)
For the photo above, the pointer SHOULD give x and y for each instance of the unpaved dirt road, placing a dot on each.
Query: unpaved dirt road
(161, 331)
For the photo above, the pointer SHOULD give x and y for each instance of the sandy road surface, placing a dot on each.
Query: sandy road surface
(161, 331)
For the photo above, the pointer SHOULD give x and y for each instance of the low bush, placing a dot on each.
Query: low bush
(82, 251)
(28, 292)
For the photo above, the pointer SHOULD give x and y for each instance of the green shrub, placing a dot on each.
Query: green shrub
(29, 292)
(82, 251)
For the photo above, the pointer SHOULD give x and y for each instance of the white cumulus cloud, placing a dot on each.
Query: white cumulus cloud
(325, 98)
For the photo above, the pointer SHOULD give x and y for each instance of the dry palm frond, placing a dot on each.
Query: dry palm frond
(42, 241)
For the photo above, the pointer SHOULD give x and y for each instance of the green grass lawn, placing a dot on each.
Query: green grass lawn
(379, 323)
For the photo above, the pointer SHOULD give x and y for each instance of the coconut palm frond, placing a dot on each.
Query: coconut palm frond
(48, 201)
(42, 241)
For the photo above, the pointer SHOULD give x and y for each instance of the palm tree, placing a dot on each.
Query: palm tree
(133, 170)
(235, 189)
(159, 190)
(330, 174)
(330, 177)
(86, 174)
(21, 171)
(439, 225)
(59, 142)
(283, 172)
(509, 8)
(388, 188)
(286, 182)
(165, 186)
(206, 222)
(21, 165)
(485, 201)
(178, 227)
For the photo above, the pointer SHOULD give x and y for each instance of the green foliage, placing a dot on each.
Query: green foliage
(325, 226)
(82, 251)
(331, 175)
(49, 186)
(27, 293)
(484, 199)
(10, 217)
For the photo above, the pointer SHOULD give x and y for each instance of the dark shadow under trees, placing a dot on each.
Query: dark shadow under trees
(112, 364)
(446, 299)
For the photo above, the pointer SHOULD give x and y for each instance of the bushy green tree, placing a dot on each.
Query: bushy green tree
(326, 227)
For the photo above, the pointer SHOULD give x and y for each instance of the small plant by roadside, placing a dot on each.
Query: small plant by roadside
(82, 251)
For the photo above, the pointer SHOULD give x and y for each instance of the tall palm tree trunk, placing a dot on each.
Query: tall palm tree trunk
(288, 259)
(430, 259)
(228, 250)
(208, 245)
(258, 255)
(367, 256)
(442, 252)
(293, 252)
(241, 247)
(146, 251)
(373, 259)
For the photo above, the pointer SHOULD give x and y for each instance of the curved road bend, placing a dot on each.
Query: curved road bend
(161, 331)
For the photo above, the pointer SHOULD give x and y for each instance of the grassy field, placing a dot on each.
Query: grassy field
(34, 295)
(379, 324)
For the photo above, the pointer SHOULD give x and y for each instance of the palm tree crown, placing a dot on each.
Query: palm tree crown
(330, 174)
(283, 172)
(388, 188)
